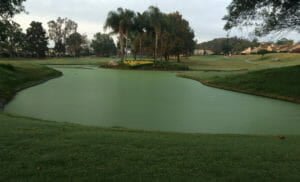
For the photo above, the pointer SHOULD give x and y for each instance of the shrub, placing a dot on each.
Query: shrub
(7, 66)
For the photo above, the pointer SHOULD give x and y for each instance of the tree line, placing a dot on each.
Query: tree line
(151, 33)
(226, 46)
(34, 41)
(235, 45)
(63, 32)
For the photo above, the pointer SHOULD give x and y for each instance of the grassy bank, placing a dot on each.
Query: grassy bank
(154, 66)
(241, 62)
(17, 76)
(33, 150)
(58, 61)
(278, 83)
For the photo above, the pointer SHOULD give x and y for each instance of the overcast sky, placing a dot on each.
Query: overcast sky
(205, 16)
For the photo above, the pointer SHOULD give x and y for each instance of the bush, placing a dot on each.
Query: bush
(262, 52)
(7, 66)
(163, 66)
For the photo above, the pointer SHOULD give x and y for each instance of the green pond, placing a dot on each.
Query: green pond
(149, 100)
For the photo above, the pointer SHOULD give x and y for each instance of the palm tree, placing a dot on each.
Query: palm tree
(140, 23)
(120, 22)
(155, 17)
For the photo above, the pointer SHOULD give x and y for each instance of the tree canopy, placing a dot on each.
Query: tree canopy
(59, 31)
(36, 40)
(74, 43)
(120, 22)
(152, 32)
(103, 45)
(266, 15)
(8, 8)
(227, 45)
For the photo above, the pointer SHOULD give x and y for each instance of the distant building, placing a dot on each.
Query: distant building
(295, 49)
(284, 48)
(247, 51)
(266, 46)
(201, 52)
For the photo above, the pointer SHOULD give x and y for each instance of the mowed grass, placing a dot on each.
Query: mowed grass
(14, 77)
(276, 82)
(59, 61)
(33, 150)
(272, 75)
(241, 62)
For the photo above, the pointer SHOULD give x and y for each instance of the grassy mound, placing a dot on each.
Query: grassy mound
(281, 83)
(15, 77)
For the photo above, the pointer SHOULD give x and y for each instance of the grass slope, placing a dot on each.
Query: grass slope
(58, 61)
(241, 62)
(33, 150)
(282, 83)
(15, 77)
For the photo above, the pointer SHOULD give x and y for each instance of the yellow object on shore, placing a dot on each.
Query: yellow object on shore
(137, 62)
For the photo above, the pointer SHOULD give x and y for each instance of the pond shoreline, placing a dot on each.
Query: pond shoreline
(209, 84)
(5, 101)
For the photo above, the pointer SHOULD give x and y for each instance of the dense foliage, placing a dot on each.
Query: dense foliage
(8, 8)
(151, 33)
(36, 40)
(9, 31)
(74, 44)
(227, 45)
(59, 31)
(266, 15)
(103, 45)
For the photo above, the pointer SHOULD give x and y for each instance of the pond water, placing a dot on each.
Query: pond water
(157, 101)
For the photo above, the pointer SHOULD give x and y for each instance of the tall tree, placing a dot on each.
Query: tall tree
(36, 40)
(103, 45)
(155, 18)
(182, 35)
(265, 15)
(120, 22)
(8, 8)
(74, 43)
(59, 31)
(138, 31)
(13, 43)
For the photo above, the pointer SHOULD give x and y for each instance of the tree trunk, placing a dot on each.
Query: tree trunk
(156, 45)
(125, 50)
(161, 49)
(121, 46)
(178, 58)
(140, 46)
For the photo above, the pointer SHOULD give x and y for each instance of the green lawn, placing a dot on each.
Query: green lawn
(277, 82)
(272, 75)
(33, 150)
(60, 61)
(241, 63)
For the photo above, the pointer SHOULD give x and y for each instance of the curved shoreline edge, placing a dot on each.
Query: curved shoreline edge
(209, 84)
(5, 101)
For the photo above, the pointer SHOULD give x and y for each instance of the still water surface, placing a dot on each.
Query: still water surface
(153, 101)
